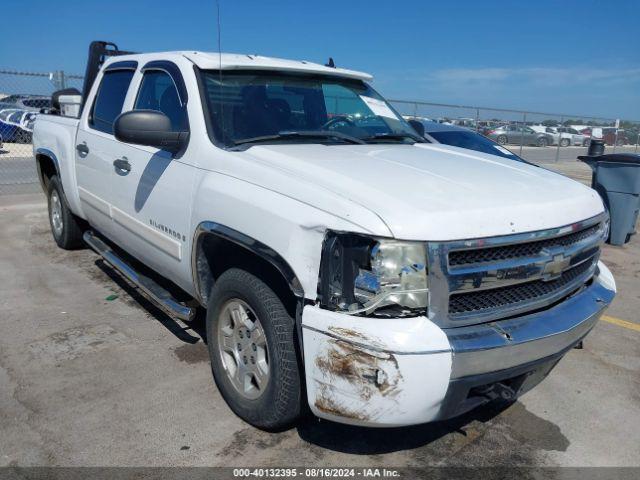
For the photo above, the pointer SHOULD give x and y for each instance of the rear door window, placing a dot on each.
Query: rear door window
(110, 99)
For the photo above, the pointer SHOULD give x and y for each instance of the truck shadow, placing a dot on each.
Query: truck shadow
(137, 300)
(372, 441)
(154, 169)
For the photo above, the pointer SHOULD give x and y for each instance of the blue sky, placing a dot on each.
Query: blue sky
(569, 56)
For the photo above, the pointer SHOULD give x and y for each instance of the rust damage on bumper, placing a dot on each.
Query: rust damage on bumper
(351, 370)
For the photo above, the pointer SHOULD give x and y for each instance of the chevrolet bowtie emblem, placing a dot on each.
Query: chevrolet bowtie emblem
(554, 267)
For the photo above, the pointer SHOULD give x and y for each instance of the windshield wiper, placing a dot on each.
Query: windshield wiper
(395, 136)
(300, 134)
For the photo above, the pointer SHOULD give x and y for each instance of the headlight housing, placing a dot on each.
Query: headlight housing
(364, 275)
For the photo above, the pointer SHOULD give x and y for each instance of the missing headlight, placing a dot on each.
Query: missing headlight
(364, 275)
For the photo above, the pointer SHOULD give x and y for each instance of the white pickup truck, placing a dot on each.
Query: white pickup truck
(342, 260)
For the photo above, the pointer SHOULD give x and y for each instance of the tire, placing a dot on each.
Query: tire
(277, 404)
(620, 143)
(586, 142)
(66, 228)
(565, 142)
(502, 139)
(543, 142)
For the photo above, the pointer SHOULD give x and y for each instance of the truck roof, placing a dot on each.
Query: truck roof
(237, 61)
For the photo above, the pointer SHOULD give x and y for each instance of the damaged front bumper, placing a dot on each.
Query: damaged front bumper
(405, 371)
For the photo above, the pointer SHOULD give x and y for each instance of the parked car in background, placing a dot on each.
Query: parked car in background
(16, 126)
(555, 136)
(27, 102)
(485, 126)
(8, 129)
(562, 135)
(577, 138)
(610, 138)
(591, 132)
(465, 122)
(27, 121)
(463, 138)
(418, 118)
(516, 134)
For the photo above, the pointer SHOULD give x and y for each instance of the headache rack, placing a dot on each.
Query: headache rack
(99, 51)
(482, 280)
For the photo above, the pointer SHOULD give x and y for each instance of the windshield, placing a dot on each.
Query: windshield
(472, 141)
(268, 107)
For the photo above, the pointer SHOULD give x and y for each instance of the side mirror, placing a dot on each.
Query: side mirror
(417, 126)
(150, 128)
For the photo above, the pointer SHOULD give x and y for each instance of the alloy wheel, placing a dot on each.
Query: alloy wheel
(56, 214)
(243, 348)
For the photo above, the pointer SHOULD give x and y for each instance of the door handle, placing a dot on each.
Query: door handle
(122, 165)
(82, 149)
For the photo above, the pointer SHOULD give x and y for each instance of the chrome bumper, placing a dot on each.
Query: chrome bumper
(503, 344)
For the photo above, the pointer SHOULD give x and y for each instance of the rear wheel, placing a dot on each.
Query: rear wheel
(543, 142)
(502, 139)
(252, 351)
(65, 226)
(620, 143)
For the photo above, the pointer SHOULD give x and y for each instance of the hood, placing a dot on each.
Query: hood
(436, 192)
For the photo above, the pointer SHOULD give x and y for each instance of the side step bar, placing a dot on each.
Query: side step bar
(161, 297)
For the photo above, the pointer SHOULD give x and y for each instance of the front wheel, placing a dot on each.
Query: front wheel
(252, 350)
(564, 142)
(502, 139)
(543, 142)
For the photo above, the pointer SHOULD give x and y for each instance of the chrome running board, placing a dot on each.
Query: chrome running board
(161, 297)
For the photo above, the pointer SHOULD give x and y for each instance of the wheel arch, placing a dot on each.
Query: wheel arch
(216, 248)
(47, 166)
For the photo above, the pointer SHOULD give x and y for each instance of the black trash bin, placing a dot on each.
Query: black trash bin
(616, 177)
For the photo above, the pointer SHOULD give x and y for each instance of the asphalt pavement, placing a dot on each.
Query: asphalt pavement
(91, 374)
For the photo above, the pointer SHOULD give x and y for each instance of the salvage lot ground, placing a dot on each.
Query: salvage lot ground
(88, 380)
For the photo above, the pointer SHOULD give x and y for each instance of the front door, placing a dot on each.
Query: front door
(151, 197)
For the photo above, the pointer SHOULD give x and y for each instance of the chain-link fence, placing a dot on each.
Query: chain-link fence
(538, 137)
(22, 95)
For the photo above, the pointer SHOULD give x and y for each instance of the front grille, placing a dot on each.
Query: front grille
(518, 250)
(504, 297)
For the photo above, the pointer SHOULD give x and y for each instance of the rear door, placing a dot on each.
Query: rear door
(96, 147)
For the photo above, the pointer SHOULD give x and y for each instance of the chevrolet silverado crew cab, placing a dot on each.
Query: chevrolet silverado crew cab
(343, 261)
